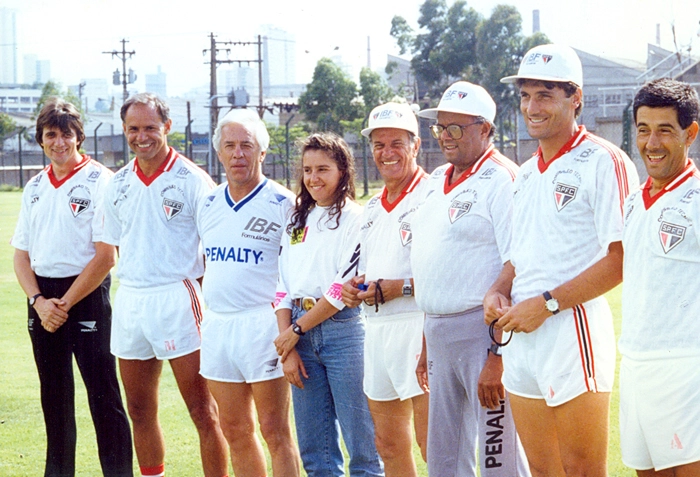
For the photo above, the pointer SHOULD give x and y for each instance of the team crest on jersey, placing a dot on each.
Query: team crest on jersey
(563, 194)
(172, 208)
(671, 235)
(298, 236)
(458, 209)
(406, 234)
(78, 205)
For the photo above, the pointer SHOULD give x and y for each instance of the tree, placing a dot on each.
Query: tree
(330, 97)
(177, 140)
(7, 128)
(53, 89)
(277, 150)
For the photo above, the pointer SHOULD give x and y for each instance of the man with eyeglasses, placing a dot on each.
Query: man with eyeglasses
(461, 240)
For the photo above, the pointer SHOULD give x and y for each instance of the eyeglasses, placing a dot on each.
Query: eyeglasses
(453, 130)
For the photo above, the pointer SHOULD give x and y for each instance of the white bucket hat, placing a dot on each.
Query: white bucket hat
(550, 63)
(464, 98)
(392, 115)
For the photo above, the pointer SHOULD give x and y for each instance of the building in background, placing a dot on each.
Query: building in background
(156, 83)
(36, 71)
(8, 46)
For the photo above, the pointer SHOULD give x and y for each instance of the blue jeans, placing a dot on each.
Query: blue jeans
(332, 399)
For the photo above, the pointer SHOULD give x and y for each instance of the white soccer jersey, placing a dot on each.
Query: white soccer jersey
(317, 260)
(60, 220)
(566, 212)
(241, 243)
(660, 306)
(386, 242)
(152, 220)
(461, 234)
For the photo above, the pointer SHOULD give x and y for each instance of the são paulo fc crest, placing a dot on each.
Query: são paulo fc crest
(406, 234)
(563, 194)
(671, 235)
(78, 205)
(172, 208)
(458, 209)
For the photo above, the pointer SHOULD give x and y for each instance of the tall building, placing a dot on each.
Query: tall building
(279, 58)
(35, 70)
(8, 46)
(156, 83)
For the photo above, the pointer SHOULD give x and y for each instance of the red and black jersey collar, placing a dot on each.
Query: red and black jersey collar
(469, 172)
(415, 180)
(572, 143)
(688, 171)
(58, 183)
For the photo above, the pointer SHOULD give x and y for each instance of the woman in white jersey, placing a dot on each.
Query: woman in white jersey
(321, 342)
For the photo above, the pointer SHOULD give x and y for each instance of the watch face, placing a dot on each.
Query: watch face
(552, 305)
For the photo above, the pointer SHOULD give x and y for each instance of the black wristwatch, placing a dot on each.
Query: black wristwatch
(32, 300)
(495, 350)
(297, 329)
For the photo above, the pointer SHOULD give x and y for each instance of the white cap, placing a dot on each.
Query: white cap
(392, 115)
(550, 63)
(464, 98)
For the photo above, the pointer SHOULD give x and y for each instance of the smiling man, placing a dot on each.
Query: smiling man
(241, 224)
(461, 239)
(566, 252)
(659, 394)
(150, 213)
(394, 326)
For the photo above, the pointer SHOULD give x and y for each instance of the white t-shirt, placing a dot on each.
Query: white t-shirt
(317, 260)
(241, 243)
(660, 305)
(60, 220)
(152, 220)
(567, 212)
(386, 242)
(461, 234)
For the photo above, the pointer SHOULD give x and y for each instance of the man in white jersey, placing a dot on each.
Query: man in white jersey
(241, 224)
(63, 265)
(150, 212)
(461, 239)
(566, 252)
(659, 387)
(394, 333)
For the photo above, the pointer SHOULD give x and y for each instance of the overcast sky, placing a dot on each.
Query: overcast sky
(74, 33)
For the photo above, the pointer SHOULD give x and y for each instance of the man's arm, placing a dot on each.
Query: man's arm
(597, 279)
(92, 275)
(52, 317)
(497, 298)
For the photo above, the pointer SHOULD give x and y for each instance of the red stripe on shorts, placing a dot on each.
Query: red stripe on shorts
(583, 333)
(194, 301)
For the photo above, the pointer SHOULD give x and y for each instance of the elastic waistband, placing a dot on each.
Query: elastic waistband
(479, 310)
(232, 315)
(160, 288)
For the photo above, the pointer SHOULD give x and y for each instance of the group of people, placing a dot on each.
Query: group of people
(462, 307)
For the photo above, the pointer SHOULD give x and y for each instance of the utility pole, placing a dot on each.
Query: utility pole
(127, 78)
(213, 96)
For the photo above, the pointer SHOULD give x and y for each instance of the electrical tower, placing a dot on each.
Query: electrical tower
(214, 97)
(127, 78)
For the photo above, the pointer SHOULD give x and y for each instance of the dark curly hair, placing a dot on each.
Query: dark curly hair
(337, 149)
(668, 93)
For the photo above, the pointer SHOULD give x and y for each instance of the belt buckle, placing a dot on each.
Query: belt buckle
(307, 303)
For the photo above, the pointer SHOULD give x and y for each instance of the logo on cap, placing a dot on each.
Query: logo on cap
(454, 92)
(172, 208)
(387, 114)
(671, 235)
(546, 58)
(563, 194)
(78, 206)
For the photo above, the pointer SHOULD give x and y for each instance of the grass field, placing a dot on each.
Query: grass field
(22, 439)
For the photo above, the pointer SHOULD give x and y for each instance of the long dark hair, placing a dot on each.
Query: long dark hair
(337, 149)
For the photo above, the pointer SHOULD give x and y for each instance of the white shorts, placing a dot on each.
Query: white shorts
(161, 322)
(238, 347)
(572, 353)
(660, 412)
(392, 347)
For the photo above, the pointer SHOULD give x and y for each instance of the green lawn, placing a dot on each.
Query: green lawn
(22, 440)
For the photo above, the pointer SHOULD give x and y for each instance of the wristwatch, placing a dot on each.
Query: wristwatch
(32, 300)
(552, 304)
(495, 350)
(407, 287)
(297, 329)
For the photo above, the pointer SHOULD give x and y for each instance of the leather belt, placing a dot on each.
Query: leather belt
(305, 303)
